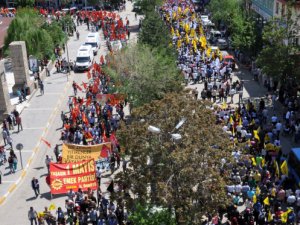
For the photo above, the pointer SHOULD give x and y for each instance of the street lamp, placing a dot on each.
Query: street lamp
(20, 147)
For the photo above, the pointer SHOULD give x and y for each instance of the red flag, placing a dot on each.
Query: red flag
(46, 142)
(102, 59)
(114, 139)
(84, 85)
(88, 101)
(89, 75)
(78, 87)
(104, 152)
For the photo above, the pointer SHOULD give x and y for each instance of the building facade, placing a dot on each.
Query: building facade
(264, 8)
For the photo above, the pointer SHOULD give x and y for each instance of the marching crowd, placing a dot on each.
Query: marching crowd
(260, 189)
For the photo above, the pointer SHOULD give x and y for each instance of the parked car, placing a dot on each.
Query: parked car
(214, 35)
(222, 44)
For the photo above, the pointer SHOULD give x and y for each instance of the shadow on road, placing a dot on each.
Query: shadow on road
(31, 199)
(39, 168)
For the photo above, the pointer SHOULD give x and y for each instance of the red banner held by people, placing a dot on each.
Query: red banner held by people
(66, 176)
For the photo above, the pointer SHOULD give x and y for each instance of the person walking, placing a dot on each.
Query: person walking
(47, 162)
(32, 216)
(15, 162)
(74, 85)
(35, 186)
(41, 87)
(9, 141)
(5, 136)
(10, 164)
(63, 118)
(19, 123)
(0, 177)
(56, 152)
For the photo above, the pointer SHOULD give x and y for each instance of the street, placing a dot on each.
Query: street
(41, 119)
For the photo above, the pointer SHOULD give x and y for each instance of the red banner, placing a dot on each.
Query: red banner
(66, 176)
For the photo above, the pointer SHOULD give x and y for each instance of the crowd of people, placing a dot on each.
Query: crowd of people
(260, 189)
(90, 120)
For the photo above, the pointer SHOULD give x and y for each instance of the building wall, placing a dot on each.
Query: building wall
(264, 8)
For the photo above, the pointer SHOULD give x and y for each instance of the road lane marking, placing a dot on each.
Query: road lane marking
(12, 188)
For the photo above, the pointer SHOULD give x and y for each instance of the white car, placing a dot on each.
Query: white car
(222, 44)
(85, 57)
(93, 39)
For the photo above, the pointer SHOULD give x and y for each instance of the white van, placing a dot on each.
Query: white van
(93, 39)
(84, 59)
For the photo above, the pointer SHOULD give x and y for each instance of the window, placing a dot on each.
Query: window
(277, 8)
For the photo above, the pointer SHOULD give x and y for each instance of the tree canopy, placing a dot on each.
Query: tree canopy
(154, 32)
(39, 36)
(277, 58)
(184, 176)
(240, 25)
(150, 215)
(144, 74)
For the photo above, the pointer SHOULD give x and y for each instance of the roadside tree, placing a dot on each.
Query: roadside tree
(144, 74)
(277, 58)
(177, 167)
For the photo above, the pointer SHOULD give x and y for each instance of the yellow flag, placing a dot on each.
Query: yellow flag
(52, 207)
(203, 41)
(187, 28)
(178, 44)
(270, 217)
(172, 31)
(187, 39)
(208, 52)
(276, 169)
(284, 168)
(257, 190)
(256, 135)
(267, 201)
(263, 162)
(254, 199)
(230, 120)
(224, 105)
(240, 122)
(174, 15)
(253, 161)
(177, 33)
(192, 33)
(179, 10)
(40, 214)
(201, 30)
(194, 45)
(284, 216)
(186, 11)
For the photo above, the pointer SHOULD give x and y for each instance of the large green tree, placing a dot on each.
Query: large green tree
(182, 175)
(277, 58)
(144, 74)
(144, 6)
(239, 22)
(154, 32)
(38, 35)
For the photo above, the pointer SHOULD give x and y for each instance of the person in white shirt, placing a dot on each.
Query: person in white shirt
(274, 119)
